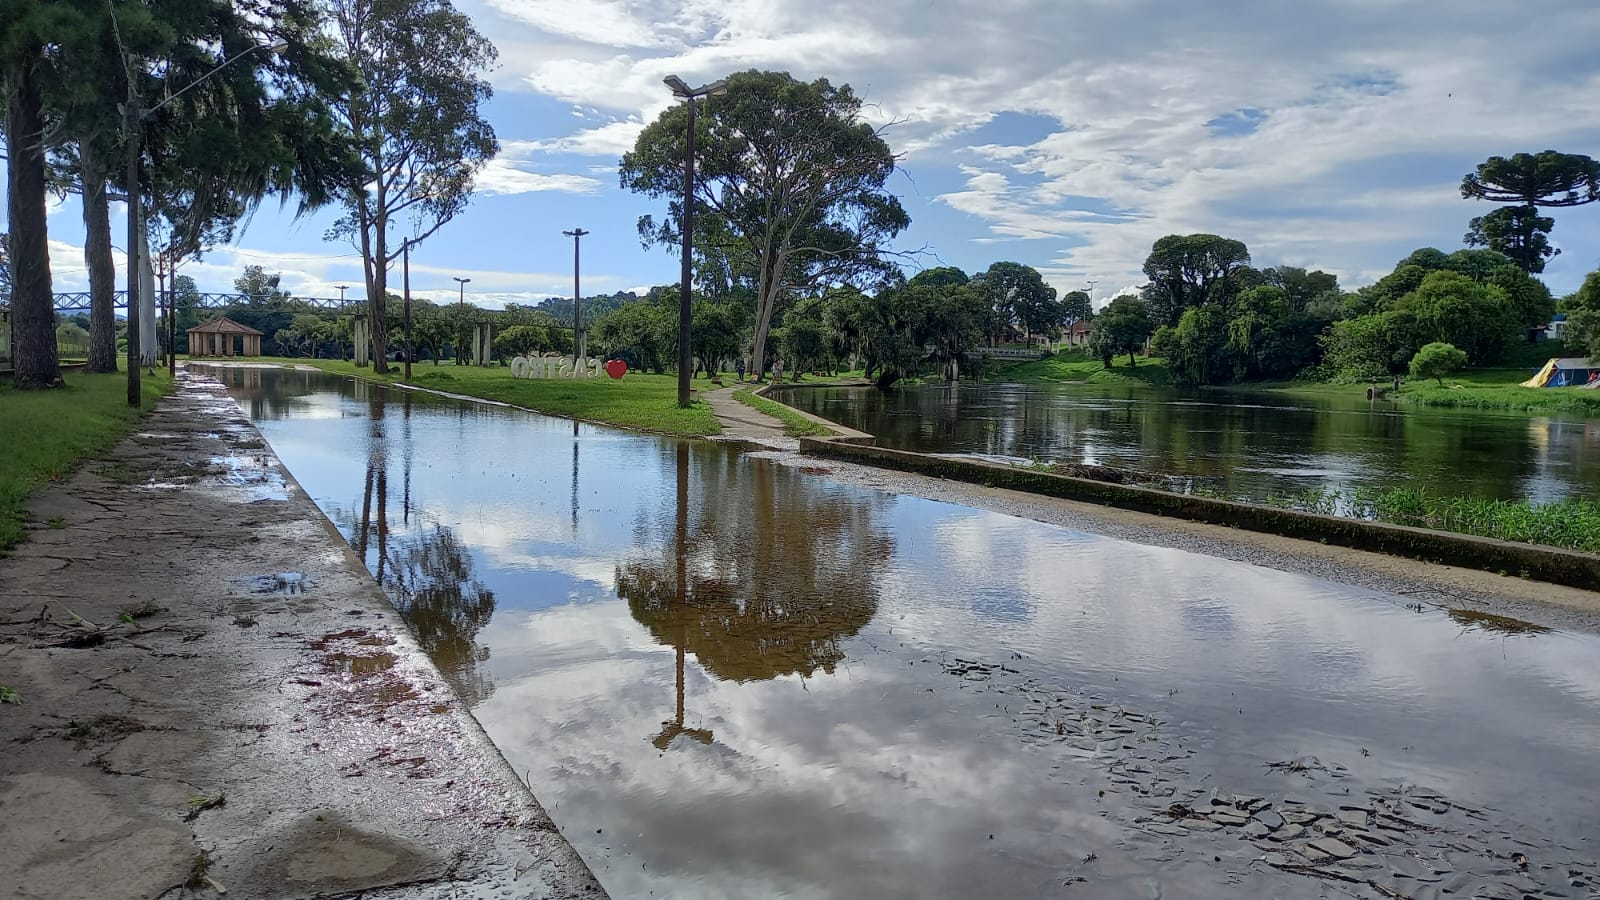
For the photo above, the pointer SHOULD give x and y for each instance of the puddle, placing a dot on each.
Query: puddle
(729, 678)
(256, 473)
(289, 584)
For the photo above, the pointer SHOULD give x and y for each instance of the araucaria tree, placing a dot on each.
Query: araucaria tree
(790, 187)
(1527, 181)
(416, 125)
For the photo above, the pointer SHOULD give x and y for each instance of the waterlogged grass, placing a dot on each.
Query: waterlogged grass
(1572, 524)
(794, 424)
(47, 434)
(1080, 366)
(641, 401)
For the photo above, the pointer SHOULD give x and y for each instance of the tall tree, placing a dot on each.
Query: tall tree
(1122, 327)
(1527, 181)
(1519, 232)
(29, 43)
(215, 139)
(418, 127)
(1076, 306)
(790, 187)
(1189, 270)
(1018, 295)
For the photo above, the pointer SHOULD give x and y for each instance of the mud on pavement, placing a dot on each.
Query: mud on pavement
(213, 695)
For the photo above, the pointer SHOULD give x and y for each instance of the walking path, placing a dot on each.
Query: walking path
(212, 693)
(745, 423)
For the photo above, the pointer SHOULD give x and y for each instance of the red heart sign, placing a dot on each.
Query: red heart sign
(616, 368)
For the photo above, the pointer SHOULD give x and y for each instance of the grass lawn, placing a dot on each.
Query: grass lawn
(794, 424)
(48, 433)
(642, 401)
(1080, 366)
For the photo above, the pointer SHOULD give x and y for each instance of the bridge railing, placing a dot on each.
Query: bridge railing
(78, 301)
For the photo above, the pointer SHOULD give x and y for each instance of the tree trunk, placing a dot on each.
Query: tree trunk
(378, 298)
(97, 257)
(32, 296)
(766, 304)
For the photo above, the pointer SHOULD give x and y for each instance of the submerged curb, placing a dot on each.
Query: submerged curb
(1548, 564)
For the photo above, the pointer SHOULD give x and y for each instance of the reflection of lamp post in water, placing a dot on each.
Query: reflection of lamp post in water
(670, 730)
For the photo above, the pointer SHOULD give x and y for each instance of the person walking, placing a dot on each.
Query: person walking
(741, 369)
(777, 370)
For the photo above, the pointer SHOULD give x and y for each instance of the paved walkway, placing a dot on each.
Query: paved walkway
(214, 693)
(741, 422)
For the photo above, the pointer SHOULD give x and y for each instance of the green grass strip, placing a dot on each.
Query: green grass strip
(47, 434)
(794, 424)
(639, 400)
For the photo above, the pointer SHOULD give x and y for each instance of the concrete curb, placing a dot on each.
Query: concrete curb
(1548, 564)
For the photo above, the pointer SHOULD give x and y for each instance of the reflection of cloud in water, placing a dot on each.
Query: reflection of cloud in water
(845, 786)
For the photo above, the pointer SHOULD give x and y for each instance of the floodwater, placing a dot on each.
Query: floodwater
(1248, 445)
(727, 677)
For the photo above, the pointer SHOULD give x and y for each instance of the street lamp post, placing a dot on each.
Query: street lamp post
(685, 297)
(132, 118)
(578, 348)
(461, 308)
(405, 268)
(341, 288)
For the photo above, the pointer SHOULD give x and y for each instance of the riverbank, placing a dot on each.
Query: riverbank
(639, 400)
(49, 433)
(207, 691)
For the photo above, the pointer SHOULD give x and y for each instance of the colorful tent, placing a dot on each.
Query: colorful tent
(1566, 371)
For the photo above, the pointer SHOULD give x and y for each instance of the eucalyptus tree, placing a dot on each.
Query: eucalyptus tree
(1527, 181)
(790, 192)
(417, 126)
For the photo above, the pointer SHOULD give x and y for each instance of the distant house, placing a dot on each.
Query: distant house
(1077, 334)
(1557, 329)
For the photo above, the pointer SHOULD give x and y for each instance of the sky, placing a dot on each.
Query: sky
(1064, 134)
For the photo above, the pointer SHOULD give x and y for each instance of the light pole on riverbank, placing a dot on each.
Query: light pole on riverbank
(577, 304)
(133, 117)
(682, 90)
(405, 269)
(461, 308)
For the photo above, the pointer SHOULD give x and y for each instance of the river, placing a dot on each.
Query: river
(1241, 444)
(729, 677)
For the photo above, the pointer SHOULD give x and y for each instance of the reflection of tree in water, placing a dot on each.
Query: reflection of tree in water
(429, 579)
(762, 582)
(426, 572)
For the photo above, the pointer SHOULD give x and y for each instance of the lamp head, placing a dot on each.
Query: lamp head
(715, 89)
(679, 87)
(277, 46)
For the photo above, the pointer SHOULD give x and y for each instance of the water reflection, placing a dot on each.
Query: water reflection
(1237, 443)
(760, 588)
(426, 571)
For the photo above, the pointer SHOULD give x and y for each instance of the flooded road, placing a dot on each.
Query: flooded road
(726, 676)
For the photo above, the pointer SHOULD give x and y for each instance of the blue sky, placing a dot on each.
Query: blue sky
(1065, 134)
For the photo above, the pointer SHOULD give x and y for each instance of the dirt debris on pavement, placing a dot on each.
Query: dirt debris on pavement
(205, 691)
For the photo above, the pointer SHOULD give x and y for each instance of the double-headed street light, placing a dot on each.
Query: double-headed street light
(578, 348)
(133, 117)
(682, 90)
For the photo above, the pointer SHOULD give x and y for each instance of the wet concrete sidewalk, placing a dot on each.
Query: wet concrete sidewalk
(215, 695)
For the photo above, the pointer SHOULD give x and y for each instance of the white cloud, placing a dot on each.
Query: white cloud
(502, 176)
(1341, 94)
